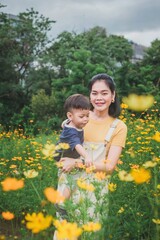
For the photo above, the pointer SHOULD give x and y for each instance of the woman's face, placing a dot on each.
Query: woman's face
(101, 96)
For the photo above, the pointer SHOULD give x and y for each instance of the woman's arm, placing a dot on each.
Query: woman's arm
(69, 163)
(109, 165)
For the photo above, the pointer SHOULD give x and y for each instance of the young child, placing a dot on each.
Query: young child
(77, 108)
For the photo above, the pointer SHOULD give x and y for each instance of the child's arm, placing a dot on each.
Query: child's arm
(82, 152)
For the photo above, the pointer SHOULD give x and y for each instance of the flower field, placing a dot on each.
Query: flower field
(131, 210)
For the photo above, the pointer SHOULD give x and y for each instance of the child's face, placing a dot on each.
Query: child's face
(79, 117)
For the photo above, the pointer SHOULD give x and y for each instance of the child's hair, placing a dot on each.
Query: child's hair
(76, 101)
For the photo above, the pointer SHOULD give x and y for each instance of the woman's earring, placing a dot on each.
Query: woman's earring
(112, 100)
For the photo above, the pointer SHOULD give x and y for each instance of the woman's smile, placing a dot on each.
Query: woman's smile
(99, 103)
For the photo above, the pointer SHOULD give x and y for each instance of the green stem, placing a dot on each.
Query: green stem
(13, 232)
(36, 191)
(157, 234)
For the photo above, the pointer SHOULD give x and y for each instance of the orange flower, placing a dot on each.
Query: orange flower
(140, 175)
(134, 166)
(90, 169)
(120, 162)
(100, 175)
(53, 195)
(12, 184)
(81, 165)
(7, 215)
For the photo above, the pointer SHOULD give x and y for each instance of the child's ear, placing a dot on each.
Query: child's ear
(69, 115)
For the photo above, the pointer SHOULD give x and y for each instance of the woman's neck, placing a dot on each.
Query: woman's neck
(99, 115)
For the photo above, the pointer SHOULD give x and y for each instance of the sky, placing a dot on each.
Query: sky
(136, 20)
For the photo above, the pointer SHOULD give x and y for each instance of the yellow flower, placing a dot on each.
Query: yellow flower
(112, 187)
(156, 159)
(138, 103)
(140, 175)
(124, 176)
(121, 210)
(156, 137)
(2, 237)
(13, 166)
(48, 150)
(149, 164)
(158, 186)
(124, 106)
(7, 215)
(156, 221)
(62, 146)
(91, 227)
(93, 146)
(12, 184)
(53, 195)
(67, 230)
(30, 173)
(59, 164)
(82, 184)
(38, 222)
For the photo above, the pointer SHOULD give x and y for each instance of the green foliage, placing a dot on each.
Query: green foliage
(42, 105)
(23, 40)
(24, 121)
(84, 55)
(119, 49)
(19, 154)
(22, 152)
(151, 61)
(130, 208)
(29, 62)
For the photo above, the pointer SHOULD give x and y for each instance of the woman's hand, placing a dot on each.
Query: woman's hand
(68, 164)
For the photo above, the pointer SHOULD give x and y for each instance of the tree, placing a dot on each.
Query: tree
(77, 57)
(23, 42)
(119, 49)
(11, 92)
(42, 105)
(141, 77)
(151, 62)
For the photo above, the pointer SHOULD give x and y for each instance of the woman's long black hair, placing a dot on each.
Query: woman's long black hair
(114, 108)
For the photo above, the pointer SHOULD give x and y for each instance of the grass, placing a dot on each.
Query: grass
(133, 207)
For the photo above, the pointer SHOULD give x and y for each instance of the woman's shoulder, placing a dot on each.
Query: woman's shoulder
(121, 124)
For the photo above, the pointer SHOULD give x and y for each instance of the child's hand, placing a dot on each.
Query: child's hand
(88, 162)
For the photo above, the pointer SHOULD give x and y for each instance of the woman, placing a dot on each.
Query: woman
(103, 124)
(106, 108)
